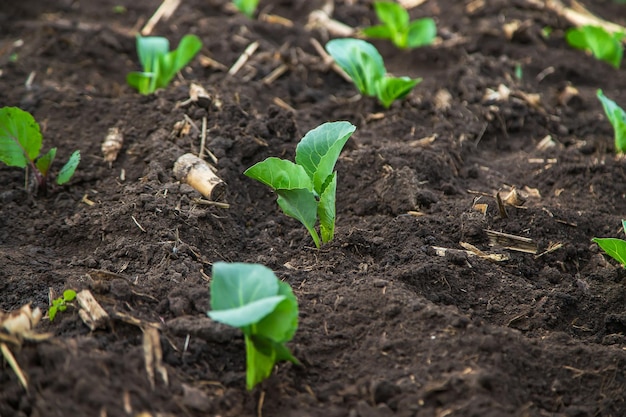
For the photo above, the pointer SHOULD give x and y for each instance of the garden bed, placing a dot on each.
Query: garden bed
(396, 317)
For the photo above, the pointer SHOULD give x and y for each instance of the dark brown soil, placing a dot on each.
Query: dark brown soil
(387, 326)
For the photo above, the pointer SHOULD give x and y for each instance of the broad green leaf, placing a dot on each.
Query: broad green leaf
(270, 347)
(236, 284)
(259, 364)
(20, 137)
(280, 174)
(249, 313)
(396, 18)
(617, 118)
(43, 163)
(360, 60)
(615, 248)
(326, 210)
(602, 44)
(176, 60)
(52, 312)
(421, 32)
(319, 150)
(150, 49)
(69, 168)
(394, 88)
(140, 81)
(300, 204)
(247, 7)
(377, 32)
(69, 295)
(281, 324)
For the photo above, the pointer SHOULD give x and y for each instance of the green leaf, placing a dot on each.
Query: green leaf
(421, 32)
(247, 7)
(326, 210)
(43, 163)
(377, 32)
(69, 168)
(52, 312)
(393, 88)
(248, 313)
(176, 60)
(360, 60)
(396, 18)
(617, 118)
(280, 174)
(615, 248)
(140, 81)
(281, 324)
(319, 150)
(20, 137)
(602, 44)
(237, 284)
(150, 49)
(69, 295)
(300, 204)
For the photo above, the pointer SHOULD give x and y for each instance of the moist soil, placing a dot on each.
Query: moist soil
(396, 317)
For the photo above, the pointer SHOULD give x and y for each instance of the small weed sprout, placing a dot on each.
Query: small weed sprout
(615, 248)
(364, 64)
(617, 118)
(247, 7)
(603, 45)
(20, 144)
(250, 297)
(159, 64)
(60, 304)
(398, 29)
(306, 190)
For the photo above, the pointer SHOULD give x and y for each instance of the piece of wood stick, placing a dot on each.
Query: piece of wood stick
(241, 61)
(579, 16)
(202, 138)
(196, 172)
(165, 10)
(92, 314)
(328, 60)
(274, 75)
(8, 356)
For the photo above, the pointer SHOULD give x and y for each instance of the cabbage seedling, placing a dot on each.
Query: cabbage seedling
(160, 64)
(306, 190)
(603, 45)
(247, 7)
(615, 248)
(20, 144)
(617, 117)
(365, 66)
(251, 298)
(60, 304)
(398, 29)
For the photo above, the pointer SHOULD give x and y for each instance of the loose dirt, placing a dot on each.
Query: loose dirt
(390, 322)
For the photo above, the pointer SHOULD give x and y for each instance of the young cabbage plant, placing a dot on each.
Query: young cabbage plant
(251, 298)
(20, 144)
(365, 66)
(617, 117)
(247, 7)
(603, 45)
(160, 64)
(60, 304)
(398, 29)
(306, 190)
(615, 248)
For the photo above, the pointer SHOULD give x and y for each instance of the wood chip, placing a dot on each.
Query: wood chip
(92, 314)
(511, 242)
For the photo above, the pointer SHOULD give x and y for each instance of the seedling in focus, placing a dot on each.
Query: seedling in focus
(160, 64)
(615, 248)
(617, 117)
(398, 29)
(603, 45)
(60, 304)
(306, 190)
(247, 7)
(365, 66)
(20, 144)
(251, 298)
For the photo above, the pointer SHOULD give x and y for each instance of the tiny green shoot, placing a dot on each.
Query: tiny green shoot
(60, 304)
(604, 45)
(21, 142)
(617, 117)
(250, 297)
(546, 31)
(615, 248)
(398, 29)
(306, 189)
(247, 7)
(160, 64)
(364, 65)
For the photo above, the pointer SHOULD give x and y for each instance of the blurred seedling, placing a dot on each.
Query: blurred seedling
(604, 45)
(615, 248)
(617, 118)
(60, 304)
(397, 27)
